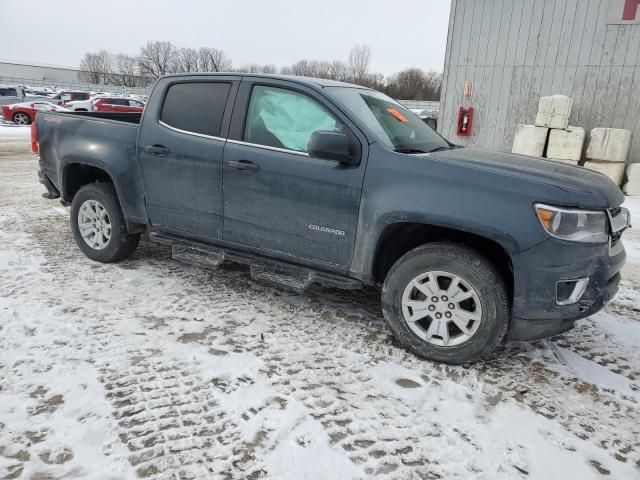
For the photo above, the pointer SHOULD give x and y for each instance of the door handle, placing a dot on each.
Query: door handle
(156, 150)
(244, 165)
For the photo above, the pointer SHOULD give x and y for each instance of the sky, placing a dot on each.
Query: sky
(400, 33)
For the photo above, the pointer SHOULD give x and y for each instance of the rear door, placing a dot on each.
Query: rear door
(180, 148)
(134, 106)
(121, 105)
(111, 105)
(278, 198)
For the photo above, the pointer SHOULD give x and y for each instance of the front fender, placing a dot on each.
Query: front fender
(430, 192)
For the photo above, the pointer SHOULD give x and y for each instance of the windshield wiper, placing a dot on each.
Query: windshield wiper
(448, 147)
(409, 150)
(417, 150)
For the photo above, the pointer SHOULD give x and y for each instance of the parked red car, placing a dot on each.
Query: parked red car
(25, 113)
(117, 104)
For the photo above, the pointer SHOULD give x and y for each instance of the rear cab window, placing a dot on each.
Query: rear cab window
(282, 118)
(195, 107)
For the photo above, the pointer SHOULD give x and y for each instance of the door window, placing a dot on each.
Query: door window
(8, 92)
(196, 107)
(121, 102)
(285, 119)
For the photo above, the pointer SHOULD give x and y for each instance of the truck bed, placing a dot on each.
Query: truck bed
(104, 140)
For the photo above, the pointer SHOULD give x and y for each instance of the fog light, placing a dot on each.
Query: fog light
(570, 291)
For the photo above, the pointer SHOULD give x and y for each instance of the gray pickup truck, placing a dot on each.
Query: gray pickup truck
(315, 181)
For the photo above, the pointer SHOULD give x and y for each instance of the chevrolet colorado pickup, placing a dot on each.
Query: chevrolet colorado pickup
(315, 181)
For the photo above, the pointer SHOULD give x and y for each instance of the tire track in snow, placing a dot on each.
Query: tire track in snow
(182, 416)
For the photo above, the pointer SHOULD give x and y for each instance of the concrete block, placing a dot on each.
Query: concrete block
(554, 112)
(613, 170)
(632, 187)
(609, 144)
(566, 144)
(530, 140)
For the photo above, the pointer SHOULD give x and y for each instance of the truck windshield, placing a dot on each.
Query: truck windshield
(395, 125)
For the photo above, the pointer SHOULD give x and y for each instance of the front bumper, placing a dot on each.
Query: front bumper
(535, 312)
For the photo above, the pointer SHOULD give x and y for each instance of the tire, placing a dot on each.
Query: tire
(21, 118)
(101, 197)
(462, 272)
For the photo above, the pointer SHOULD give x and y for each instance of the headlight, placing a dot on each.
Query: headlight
(574, 225)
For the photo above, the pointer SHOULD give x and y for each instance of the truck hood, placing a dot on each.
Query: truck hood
(585, 188)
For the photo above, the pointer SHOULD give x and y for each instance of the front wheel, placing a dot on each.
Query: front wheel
(447, 303)
(98, 224)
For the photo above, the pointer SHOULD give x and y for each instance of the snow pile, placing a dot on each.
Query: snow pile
(14, 139)
(14, 132)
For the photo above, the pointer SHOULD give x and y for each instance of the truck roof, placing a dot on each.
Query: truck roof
(315, 82)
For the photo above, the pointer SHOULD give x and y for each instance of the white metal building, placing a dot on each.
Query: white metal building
(507, 53)
(38, 75)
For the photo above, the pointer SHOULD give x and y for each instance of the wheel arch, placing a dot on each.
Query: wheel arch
(77, 173)
(398, 238)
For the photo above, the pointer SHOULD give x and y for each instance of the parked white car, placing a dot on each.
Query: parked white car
(80, 105)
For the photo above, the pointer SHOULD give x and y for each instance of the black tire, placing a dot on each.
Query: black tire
(121, 244)
(478, 272)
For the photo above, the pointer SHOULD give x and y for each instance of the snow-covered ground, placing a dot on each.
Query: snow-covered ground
(14, 139)
(150, 368)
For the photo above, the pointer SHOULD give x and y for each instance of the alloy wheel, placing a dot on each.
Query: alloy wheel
(441, 308)
(21, 119)
(94, 224)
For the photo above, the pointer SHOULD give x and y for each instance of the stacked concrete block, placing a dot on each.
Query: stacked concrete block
(554, 112)
(566, 145)
(613, 170)
(609, 144)
(632, 187)
(607, 152)
(530, 140)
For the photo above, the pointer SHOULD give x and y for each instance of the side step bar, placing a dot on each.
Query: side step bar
(266, 270)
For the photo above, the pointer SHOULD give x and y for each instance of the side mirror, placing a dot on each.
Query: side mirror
(330, 146)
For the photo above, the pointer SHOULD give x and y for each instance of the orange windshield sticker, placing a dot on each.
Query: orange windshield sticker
(397, 115)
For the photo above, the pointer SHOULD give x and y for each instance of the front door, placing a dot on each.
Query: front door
(278, 198)
(180, 149)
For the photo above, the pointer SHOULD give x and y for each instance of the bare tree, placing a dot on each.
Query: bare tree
(157, 59)
(213, 60)
(125, 71)
(257, 68)
(414, 84)
(338, 70)
(95, 68)
(186, 60)
(308, 68)
(358, 62)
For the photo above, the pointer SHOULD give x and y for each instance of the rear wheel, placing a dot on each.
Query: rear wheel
(98, 224)
(21, 118)
(447, 303)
